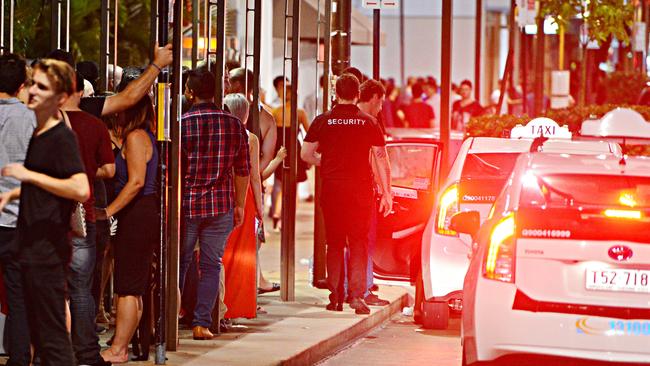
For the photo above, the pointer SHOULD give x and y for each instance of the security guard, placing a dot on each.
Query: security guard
(340, 141)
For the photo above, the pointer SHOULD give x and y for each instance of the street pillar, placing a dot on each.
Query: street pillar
(539, 68)
(478, 38)
(445, 76)
(341, 39)
(376, 43)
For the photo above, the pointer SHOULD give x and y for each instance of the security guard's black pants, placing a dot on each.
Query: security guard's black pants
(346, 209)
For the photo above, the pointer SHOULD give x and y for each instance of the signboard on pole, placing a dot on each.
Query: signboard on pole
(380, 4)
(526, 12)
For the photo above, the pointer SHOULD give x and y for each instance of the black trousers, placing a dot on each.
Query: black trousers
(347, 206)
(16, 332)
(45, 299)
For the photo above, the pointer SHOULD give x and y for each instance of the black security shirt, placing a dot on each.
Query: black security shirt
(345, 135)
(44, 218)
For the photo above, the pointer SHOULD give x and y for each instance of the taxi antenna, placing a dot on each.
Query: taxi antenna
(622, 161)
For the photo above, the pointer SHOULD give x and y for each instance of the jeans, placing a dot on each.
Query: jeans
(45, 300)
(85, 341)
(16, 332)
(372, 239)
(212, 233)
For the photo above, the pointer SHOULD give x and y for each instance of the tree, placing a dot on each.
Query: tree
(601, 20)
(32, 30)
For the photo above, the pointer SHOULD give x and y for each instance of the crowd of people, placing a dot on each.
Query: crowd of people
(79, 201)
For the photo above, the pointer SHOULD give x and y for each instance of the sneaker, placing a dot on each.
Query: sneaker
(225, 325)
(374, 288)
(359, 306)
(100, 329)
(332, 306)
(374, 300)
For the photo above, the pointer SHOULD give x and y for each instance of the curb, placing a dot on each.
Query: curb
(327, 347)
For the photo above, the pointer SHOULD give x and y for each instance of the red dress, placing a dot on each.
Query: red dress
(240, 264)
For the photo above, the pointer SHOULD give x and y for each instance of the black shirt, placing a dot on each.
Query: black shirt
(93, 105)
(44, 218)
(345, 135)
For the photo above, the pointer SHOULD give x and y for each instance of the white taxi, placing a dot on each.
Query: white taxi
(478, 174)
(561, 267)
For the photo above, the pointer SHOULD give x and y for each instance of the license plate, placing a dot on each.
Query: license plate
(618, 280)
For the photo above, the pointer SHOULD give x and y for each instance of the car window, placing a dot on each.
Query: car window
(412, 165)
(616, 191)
(489, 165)
(484, 175)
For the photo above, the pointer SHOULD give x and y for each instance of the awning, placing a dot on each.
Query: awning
(361, 25)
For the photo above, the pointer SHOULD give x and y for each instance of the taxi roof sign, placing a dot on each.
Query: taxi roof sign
(539, 127)
(620, 122)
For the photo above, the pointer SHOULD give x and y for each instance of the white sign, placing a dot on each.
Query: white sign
(639, 37)
(541, 126)
(560, 84)
(526, 12)
(380, 4)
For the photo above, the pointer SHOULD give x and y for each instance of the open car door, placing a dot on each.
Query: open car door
(414, 174)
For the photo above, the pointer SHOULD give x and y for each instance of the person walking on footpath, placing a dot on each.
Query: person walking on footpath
(340, 142)
(97, 156)
(215, 144)
(53, 178)
(371, 100)
(17, 123)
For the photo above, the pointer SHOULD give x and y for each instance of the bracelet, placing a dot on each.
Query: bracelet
(156, 66)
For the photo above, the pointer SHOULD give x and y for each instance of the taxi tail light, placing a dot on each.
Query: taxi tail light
(447, 207)
(500, 259)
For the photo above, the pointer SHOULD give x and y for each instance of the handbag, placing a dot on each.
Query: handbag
(78, 217)
(78, 221)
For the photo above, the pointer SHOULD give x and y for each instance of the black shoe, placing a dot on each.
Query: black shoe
(359, 306)
(332, 306)
(374, 300)
(100, 329)
(348, 299)
(374, 288)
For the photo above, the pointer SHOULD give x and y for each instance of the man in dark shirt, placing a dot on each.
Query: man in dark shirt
(52, 179)
(419, 114)
(218, 165)
(466, 108)
(345, 136)
(97, 155)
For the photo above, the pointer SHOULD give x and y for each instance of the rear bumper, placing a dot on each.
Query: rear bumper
(499, 330)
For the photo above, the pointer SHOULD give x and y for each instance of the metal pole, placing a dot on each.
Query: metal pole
(257, 52)
(103, 45)
(65, 31)
(116, 23)
(221, 40)
(195, 32)
(478, 40)
(289, 182)
(445, 97)
(402, 62)
(376, 43)
(55, 25)
(153, 34)
(342, 42)
(7, 27)
(164, 338)
(170, 302)
(2, 27)
(539, 68)
(319, 279)
(524, 70)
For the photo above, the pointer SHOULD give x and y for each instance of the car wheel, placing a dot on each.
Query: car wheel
(435, 315)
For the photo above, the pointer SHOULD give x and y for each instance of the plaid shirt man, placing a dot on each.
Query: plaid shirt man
(216, 144)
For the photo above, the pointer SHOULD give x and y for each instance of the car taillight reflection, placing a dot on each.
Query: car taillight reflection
(500, 260)
(448, 206)
(623, 214)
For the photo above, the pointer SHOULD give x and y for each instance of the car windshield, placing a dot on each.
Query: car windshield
(489, 165)
(412, 165)
(618, 191)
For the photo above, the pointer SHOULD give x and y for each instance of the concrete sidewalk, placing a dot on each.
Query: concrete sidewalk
(293, 333)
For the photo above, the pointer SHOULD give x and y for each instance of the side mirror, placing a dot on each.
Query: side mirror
(467, 222)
